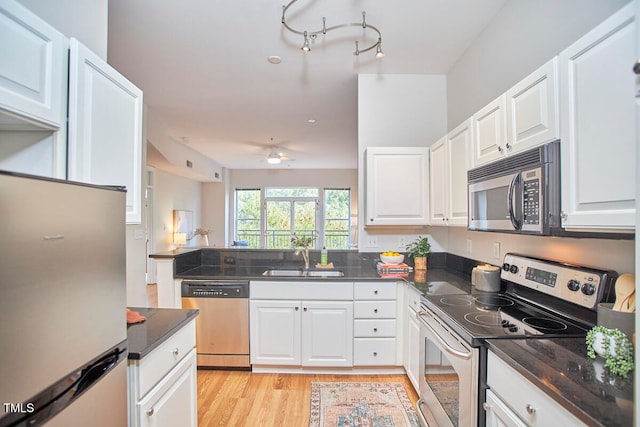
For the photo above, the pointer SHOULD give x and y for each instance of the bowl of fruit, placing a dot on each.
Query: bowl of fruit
(391, 257)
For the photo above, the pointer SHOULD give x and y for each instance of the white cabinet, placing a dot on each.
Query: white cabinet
(375, 317)
(529, 406)
(598, 165)
(412, 346)
(397, 182)
(524, 117)
(33, 68)
(163, 384)
(301, 323)
(449, 161)
(105, 127)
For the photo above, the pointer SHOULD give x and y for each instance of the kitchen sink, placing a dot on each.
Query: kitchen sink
(276, 272)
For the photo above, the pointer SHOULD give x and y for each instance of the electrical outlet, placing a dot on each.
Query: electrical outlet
(372, 241)
(402, 242)
(496, 250)
(469, 245)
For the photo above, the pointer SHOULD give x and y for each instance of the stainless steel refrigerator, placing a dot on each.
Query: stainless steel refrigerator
(63, 332)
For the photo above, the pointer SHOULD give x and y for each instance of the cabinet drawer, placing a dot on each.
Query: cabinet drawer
(374, 309)
(374, 291)
(156, 364)
(374, 351)
(543, 410)
(374, 328)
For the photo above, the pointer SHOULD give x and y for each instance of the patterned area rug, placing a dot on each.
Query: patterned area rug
(361, 405)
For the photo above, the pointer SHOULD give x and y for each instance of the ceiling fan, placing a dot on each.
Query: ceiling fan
(276, 156)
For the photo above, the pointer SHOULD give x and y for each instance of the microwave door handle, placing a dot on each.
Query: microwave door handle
(512, 216)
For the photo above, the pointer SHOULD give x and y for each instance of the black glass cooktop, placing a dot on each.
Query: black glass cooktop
(487, 315)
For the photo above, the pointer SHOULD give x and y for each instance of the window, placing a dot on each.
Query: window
(267, 218)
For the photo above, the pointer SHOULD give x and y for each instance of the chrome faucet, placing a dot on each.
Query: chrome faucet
(305, 255)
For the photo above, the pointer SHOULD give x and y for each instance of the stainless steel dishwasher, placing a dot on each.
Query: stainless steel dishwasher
(222, 328)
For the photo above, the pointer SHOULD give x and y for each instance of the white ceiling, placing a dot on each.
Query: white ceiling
(202, 65)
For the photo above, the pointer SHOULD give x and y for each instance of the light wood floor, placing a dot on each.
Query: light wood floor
(242, 398)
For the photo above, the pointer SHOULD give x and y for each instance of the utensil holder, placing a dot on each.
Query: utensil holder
(613, 319)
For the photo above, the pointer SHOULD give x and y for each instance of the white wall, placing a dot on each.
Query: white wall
(85, 20)
(402, 110)
(214, 205)
(523, 36)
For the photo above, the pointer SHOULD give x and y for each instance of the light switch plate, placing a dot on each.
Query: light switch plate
(496, 250)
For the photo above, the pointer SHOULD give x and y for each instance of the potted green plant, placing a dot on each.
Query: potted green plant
(613, 346)
(418, 250)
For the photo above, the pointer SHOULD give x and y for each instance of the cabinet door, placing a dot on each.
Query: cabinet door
(438, 183)
(490, 132)
(327, 333)
(412, 349)
(532, 107)
(498, 413)
(33, 69)
(105, 127)
(598, 126)
(459, 146)
(173, 402)
(397, 186)
(275, 332)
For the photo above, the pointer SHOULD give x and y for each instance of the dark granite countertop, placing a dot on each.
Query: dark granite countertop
(561, 368)
(160, 325)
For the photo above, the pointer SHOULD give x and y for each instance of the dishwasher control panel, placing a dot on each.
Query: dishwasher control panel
(215, 289)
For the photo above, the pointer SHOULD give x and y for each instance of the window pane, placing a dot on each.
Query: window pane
(248, 217)
(337, 218)
(305, 220)
(291, 192)
(278, 224)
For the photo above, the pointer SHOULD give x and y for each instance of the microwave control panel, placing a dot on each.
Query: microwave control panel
(531, 203)
(579, 285)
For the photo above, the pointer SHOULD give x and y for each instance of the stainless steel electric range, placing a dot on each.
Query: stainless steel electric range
(541, 298)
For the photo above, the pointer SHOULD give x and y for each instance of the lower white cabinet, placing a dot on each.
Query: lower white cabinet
(514, 401)
(163, 384)
(412, 345)
(286, 330)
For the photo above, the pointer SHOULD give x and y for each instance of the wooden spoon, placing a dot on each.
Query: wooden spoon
(625, 286)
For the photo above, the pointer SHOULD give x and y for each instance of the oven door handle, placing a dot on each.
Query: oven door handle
(442, 342)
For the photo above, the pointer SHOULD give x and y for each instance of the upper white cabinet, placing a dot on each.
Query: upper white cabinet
(33, 68)
(525, 116)
(397, 182)
(599, 126)
(105, 127)
(449, 161)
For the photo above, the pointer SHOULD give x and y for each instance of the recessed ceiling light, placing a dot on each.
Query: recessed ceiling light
(274, 59)
(311, 120)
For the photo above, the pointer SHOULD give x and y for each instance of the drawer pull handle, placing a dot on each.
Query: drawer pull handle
(375, 329)
(375, 292)
(530, 409)
(150, 411)
(486, 406)
(297, 308)
(305, 309)
(375, 353)
(375, 310)
(176, 351)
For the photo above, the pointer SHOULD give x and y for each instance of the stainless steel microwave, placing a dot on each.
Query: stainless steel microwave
(517, 194)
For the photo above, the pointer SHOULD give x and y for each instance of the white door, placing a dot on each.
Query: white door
(275, 332)
(438, 183)
(413, 355)
(598, 130)
(459, 146)
(498, 413)
(490, 132)
(105, 127)
(327, 333)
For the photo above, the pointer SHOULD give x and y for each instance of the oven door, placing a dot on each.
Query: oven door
(495, 204)
(448, 376)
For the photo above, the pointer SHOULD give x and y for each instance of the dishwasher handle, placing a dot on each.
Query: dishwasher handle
(215, 289)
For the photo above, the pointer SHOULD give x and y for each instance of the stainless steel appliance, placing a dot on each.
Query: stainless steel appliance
(518, 194)
(63, 303)
(222, 329)
(542, 299)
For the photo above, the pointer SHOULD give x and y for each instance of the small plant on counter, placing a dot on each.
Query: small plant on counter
(419, 247)
(617, 350)
(303, 242)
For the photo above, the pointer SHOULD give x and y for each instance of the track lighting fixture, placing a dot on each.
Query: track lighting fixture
(313, 34)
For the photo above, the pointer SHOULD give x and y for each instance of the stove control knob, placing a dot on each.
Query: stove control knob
(513, 328)
(573, 285)
(505, 323)
(506, 266)
(588, 289)
(513, 269)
